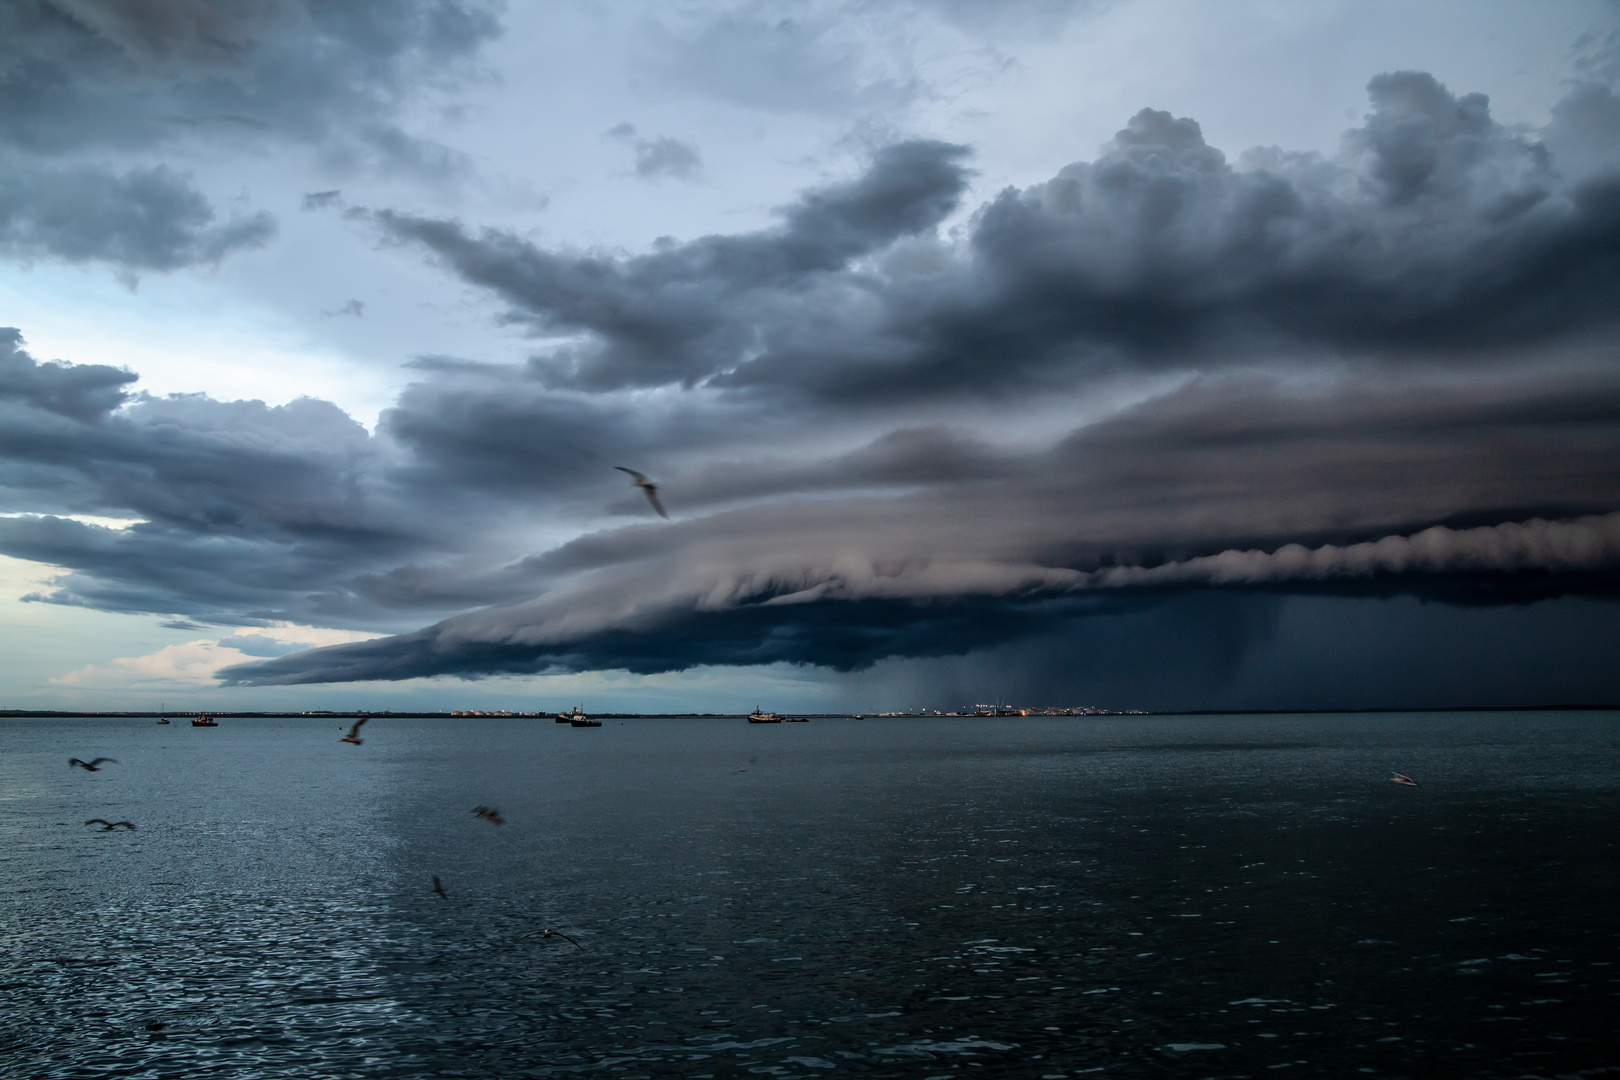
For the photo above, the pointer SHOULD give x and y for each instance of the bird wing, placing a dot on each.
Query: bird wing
(652, 497)
(99, 821)
(72, 761)
(570, 940)
(99, 760)
(354, 731)
(640, 478)
(126, 824)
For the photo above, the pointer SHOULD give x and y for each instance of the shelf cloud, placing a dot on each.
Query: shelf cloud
(895, 424)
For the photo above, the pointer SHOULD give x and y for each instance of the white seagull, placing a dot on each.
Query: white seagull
(647, 486)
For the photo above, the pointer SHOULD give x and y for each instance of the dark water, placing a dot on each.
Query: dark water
(1236, 896)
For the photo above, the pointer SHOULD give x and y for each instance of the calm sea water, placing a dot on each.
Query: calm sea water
(1211, 896)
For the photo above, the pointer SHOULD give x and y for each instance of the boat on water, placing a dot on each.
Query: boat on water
(204, 721)
(760, 717)
(577, 718)
(163, 719)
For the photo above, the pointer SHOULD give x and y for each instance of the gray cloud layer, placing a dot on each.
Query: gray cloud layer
(84, 79)
(146, 219)
(1388, 373)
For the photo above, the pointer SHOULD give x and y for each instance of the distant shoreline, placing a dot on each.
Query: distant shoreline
(185, 714)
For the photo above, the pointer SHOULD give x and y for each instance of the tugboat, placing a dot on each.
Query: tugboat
(760, 717)
(577, 718)
(204, 721)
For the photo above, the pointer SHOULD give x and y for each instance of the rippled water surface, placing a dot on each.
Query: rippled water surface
(1197, 896)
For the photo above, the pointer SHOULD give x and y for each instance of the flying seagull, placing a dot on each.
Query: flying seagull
(354, 733)
(647, 486)
(89, 766)
(491, 813)
(1402, 779)
(109, 826)
(438, 888)
(555, 933)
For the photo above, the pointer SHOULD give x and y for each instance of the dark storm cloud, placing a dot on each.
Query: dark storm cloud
(246, 512)
(1233, 484)
(146, 219)
(1435, 233)
(1385, 374)
(87, 74)
(79, 391)
(1508, 564)
(671, 316)
(82, 81)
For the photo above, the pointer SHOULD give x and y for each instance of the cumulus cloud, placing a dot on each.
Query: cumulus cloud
(660, 156)
(196, 664)
(1436, 233)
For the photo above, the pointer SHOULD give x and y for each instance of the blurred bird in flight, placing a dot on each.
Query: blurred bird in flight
(354, 733)
(90, 766)
(490, 814)
(647, 486)
(1402, 779)
(109, 826)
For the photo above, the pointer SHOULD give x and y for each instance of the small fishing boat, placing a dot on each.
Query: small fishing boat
(204, 721)
(760, 717)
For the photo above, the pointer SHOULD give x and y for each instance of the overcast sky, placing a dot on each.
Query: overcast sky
(1144, 355)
